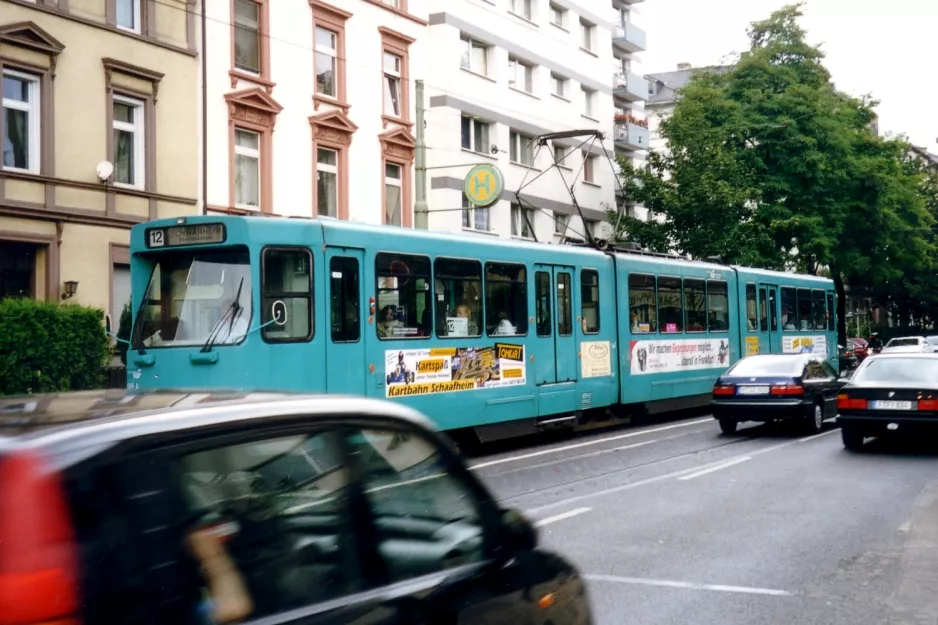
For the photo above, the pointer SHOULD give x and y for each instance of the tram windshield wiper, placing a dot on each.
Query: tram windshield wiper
(229, 316)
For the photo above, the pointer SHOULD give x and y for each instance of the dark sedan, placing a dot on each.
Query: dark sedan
(773, 387)
(889, 393)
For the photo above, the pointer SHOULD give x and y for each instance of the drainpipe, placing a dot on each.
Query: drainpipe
(421, 210)
(202, 54)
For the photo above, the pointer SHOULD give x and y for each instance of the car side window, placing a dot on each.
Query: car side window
(814, 371)
(828, 370)
(426, 519)
(270, 524)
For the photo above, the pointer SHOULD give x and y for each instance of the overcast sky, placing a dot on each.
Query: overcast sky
(888, 49)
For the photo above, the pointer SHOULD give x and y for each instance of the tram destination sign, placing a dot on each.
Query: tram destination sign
(177, 236)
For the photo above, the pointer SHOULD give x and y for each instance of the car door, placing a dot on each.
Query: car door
(821, 378)
(442, 541)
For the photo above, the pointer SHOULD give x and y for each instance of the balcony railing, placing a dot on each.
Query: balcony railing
(630, 87)
(631, 137)
(628, 37)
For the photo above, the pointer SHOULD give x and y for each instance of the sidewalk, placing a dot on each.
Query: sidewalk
(916, 599)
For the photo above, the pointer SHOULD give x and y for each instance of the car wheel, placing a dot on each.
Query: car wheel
(728, 426)
(816, 424)
(853, 440)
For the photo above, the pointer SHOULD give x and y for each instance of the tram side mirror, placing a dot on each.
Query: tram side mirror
(278, 312)
(519, 532)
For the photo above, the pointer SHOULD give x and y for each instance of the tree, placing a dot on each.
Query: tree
(769, 165)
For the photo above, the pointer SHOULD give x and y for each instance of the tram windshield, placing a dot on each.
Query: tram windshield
(191, 296)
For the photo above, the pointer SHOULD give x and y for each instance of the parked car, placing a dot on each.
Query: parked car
(860, 347)
(907, 345)
(932, 342)
(182, 507)
(769, 387)
(889, 393)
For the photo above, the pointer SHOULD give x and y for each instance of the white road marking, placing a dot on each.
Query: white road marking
(814, 436)
(716, 468)
(543, 452)
(561, 517)
(615, 579)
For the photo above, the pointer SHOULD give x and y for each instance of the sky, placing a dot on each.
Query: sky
(885, 49)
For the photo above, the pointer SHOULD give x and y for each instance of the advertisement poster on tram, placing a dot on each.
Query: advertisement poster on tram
(411, 372)
(804, 344)
(649, 357)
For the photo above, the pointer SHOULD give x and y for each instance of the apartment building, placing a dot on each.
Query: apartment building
(99, 133)
(310, 107)
(499, 74)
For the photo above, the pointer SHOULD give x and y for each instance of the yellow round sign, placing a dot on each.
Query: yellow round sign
(484, 185)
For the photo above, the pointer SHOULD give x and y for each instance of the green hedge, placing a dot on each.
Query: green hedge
(47, 347)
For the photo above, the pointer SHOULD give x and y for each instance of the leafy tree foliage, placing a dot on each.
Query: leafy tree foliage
(769, 165)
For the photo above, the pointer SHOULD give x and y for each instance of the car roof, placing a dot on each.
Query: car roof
(74, 419)
(906, 338)
(800, 356)
(885, 355)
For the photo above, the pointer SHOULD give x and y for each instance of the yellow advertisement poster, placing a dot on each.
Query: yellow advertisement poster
(412, 372)
(752, 345)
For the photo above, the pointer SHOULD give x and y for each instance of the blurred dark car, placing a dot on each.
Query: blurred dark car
(889, 393)
(860, 347)
(178, 508)
(770, 387)
(847, 357)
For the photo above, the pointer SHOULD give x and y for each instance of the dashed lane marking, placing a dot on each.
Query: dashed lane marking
(667, 583)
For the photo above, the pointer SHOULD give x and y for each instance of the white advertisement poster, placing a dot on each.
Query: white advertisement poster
(663, 356)
(443, 370)
(804, 344)
(595, 359)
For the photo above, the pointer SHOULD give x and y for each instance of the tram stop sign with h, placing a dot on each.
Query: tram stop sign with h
(484, 185)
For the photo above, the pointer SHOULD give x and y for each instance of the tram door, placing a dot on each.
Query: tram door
(345, 366)
(556, 343)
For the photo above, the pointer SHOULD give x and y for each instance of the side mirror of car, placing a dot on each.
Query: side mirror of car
(519, 531)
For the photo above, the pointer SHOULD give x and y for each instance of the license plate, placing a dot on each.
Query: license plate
(752, 390)
(891, 405)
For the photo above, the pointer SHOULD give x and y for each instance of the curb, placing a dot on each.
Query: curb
(915, 601)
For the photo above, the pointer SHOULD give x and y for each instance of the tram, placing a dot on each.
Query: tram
(488, 337)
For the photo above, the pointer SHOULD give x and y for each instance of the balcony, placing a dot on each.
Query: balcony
(629, 87)
(631, 137)
(628, 37)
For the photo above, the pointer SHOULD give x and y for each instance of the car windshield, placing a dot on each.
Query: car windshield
(898, 371)
(768, 365)
(902, 343)
(188, 295)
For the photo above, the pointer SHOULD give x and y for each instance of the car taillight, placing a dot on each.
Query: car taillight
(848, 355)
(928, 405)
(38, 555)
(845, 402)
(787, 389)
(724, 389)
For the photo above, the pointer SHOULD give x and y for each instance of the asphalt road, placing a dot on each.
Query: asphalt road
(677, 523)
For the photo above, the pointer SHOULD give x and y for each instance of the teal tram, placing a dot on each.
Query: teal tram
(490, 338)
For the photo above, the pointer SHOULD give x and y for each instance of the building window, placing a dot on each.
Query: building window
(522, 8)
(392, 85)
(21, 121)
(561, 222)
(474, 55)
(327, 182)
(558, 15)
(474, 218)
(558, 85)
(247, 43)
(475, 135)
(589, 227)
(521, 149)
(522, 221)
(394, 3)
(586, 35)
(589, 167)
(520, 75)
(327, 63)
(588, 98)
(128, 120)
(560, 155)
(393, 187)
(247, 150)
(128, 14)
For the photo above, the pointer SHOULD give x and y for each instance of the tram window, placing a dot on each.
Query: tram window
(773, 311)
(789, 309)
(831, 310)
(345, 296)
(751, 307)
(643, 311)
(589, 300)
(542, 297)
(804, 310)
(695, 302)
(718, 309)
(670, 307)
(287, 279)
(819, 308)
(763, 310)
(564, 304)
(404, 296)
(506, 299)
(458, 287)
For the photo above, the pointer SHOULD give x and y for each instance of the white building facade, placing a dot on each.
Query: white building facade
(310, 107)
(500, 73)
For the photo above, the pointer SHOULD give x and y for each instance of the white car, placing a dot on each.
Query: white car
(907, 344)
